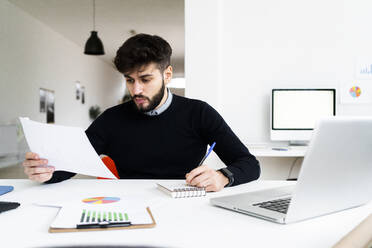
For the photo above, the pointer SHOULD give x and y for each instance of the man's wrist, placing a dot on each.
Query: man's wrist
(227, 174)
(225, 180)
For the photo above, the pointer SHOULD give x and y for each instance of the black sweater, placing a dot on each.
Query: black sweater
(169, 145)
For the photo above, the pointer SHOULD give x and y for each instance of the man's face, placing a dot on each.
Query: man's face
(147, 87)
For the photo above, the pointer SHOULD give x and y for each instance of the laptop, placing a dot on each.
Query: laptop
(335, 175)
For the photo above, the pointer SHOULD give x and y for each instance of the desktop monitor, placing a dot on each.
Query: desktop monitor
(294, 112)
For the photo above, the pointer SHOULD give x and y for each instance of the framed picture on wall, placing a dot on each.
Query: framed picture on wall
(50, 106)
(82, 94)
(364, 67)
(77, 90)
(47, 104)
(356, 92)
(42, 97)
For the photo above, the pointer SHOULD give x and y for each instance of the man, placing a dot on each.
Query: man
(158, 135)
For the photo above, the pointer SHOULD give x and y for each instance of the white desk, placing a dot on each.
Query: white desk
(190, 222)
(277, 164)
(269, 151)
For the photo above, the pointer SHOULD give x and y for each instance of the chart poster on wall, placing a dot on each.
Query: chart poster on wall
(356, 92)
(364, 67)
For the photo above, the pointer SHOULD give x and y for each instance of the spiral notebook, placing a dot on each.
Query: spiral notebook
(181, 190)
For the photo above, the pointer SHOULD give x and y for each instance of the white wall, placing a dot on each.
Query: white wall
(202, 50)
(34, 56)
(249, 47)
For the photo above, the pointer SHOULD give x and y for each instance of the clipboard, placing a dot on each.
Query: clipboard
(133, 226)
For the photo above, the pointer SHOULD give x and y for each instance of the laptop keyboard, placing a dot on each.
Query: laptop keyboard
(280, 205)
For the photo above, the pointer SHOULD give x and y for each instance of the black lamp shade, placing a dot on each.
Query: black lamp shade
(94, 45)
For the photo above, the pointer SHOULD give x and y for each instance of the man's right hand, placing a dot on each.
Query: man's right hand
(36, 168)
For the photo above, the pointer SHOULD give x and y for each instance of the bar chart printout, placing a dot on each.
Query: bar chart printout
(102, 211)
(97, 216)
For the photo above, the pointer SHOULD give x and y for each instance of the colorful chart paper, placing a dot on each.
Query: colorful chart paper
(355, 91)
(101, 200)
(92, 216)
(364, 67)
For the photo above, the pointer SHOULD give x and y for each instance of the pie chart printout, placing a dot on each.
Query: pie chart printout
(101, 200)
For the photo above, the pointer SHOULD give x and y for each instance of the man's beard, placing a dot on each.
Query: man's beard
(153, 102)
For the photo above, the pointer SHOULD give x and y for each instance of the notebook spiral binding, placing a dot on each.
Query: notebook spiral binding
(189, 192)
(181, 190)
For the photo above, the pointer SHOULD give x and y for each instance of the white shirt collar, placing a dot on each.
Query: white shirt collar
(162, 107)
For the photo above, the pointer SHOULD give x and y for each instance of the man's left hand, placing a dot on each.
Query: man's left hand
(208, 178)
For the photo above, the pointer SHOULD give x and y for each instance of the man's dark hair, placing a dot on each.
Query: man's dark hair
(143, 49)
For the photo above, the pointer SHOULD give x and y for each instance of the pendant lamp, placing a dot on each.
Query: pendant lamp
(94, 45)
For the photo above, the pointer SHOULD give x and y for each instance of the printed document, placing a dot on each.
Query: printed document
(114, 209)
(66, 148)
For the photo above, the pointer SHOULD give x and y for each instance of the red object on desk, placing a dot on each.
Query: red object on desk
(110, 164)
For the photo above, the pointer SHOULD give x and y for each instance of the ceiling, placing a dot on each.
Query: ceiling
(114, 21)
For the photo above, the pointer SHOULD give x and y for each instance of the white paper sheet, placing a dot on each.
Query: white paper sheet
(66, 148)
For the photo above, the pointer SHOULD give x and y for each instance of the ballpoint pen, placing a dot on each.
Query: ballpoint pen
(207, 154)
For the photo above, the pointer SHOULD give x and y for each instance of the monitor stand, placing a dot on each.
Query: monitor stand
(298, 143)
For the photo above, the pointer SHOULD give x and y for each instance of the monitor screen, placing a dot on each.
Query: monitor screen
(295, 111)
